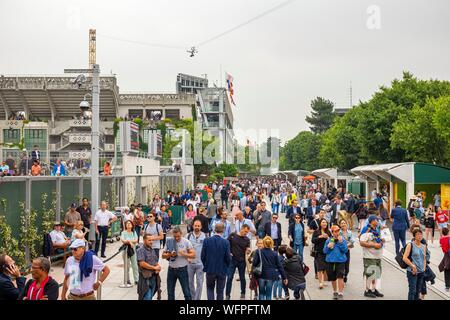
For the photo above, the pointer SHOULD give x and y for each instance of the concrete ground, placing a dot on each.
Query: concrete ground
(393, 284)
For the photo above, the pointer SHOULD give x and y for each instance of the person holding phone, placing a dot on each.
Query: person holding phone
(11, 281)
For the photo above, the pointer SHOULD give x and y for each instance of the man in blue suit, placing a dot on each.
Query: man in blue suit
(400, 219)
(216, 259)
(312, 210)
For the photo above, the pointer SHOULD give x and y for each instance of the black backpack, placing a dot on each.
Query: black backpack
(399, 257)
(47, 246)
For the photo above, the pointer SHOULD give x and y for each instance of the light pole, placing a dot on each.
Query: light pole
(95, 71)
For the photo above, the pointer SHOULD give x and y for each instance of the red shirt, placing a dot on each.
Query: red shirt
(441, 217)
(445, 244)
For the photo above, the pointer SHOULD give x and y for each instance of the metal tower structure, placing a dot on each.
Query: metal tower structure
(92, 47)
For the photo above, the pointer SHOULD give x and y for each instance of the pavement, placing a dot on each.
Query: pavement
(393, 284)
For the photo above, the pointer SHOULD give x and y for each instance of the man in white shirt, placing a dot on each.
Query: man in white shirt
(241, 221)
(102, 219)
(59, 239)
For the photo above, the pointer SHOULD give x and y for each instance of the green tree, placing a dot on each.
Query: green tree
(423, 133)
(322, 115)
(302, 152)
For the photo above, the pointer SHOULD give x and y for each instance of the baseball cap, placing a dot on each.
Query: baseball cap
(328, 201)
(56, 223)
(78, 243)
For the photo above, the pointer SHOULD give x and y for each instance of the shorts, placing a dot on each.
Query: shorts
(442, 225)
(335, 271)
(372, 268)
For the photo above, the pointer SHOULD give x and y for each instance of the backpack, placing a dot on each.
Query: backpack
(399, 257)
(47, 246)
(157, 225)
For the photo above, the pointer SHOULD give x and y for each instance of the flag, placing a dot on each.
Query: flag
(230, 88)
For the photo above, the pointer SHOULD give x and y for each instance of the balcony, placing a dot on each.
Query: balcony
(80, 138)
(80, 123)
(109, 147)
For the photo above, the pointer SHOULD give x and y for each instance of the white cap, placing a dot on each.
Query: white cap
(78, 243)
(328, 201)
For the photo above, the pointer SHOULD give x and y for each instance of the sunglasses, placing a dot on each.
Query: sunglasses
(151, 216)
(297, 218)
(75, 249)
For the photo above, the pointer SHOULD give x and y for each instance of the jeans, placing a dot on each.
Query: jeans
(277, 289)
(275, 207)
(151, 291)
(276, 244)
(103, 234)
(299, 249)
(231, 270)
(261, 233)
(299, 291)
(211, 281)
(415, 284)
(265, 289)
(137, 229)
(182, 275)
(195, 271)
(399, 235)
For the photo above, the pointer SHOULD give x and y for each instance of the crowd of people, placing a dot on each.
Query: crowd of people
(235, 226)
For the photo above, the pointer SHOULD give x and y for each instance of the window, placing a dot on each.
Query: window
(36, 137)
(11, 135)
(135, 113)
(173, 114)
(183, 82)
(154, 114)
(196, 83)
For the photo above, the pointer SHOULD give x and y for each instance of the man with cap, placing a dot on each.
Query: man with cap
(371, 240)
(81, 273)
(59, 240)
(71, 219)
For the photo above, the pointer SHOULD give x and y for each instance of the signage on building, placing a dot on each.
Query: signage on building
(129, 134)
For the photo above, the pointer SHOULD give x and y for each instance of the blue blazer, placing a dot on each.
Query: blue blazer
(7, 290)
(401, 219)
(216, 255)
(309, 212)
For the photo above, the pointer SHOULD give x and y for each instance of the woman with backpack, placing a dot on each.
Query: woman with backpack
(416, 256)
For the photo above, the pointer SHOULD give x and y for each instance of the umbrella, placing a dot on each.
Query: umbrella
(309, 178)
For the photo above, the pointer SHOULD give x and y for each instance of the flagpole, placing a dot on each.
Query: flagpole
(221, 76)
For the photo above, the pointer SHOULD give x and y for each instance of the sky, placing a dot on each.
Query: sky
(280, 62)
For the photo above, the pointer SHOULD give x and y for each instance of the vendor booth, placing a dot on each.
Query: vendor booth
(403, 180)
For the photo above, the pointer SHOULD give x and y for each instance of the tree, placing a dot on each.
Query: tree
(423, 132)
(302, 152)
(322, 115)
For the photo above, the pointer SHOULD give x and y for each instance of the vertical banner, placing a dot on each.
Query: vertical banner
(445, 196)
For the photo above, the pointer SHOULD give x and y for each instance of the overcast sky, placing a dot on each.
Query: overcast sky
(280, 62)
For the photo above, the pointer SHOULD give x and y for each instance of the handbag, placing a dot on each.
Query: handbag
(312, 251)
(257, 271)
(305, 269)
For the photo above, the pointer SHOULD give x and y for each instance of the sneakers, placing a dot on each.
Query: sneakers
(286, 298)
(369, 294)
(335, 295)
(378, 294)
(228, 298)
(341, 296)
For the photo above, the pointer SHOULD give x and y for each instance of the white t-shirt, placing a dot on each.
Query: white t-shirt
(58, 237)
(72, 269)
(127, 217)
(102, 217)
(370, 253)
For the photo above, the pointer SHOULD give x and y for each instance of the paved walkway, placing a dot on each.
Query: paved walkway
(394, 284)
